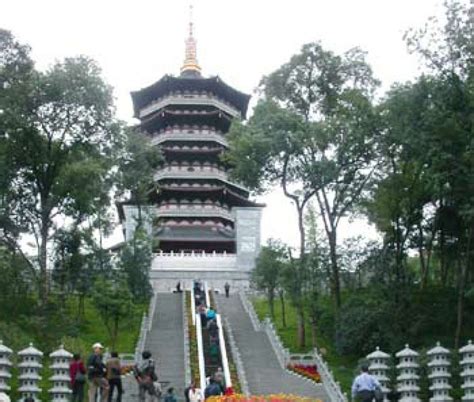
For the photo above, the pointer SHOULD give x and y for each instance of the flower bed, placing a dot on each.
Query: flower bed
(308, 371)
(193, 348)
(266, 398)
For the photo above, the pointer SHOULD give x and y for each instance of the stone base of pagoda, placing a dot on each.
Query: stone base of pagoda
(166, 280)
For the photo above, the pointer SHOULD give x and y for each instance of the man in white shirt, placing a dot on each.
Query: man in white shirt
(364, 386)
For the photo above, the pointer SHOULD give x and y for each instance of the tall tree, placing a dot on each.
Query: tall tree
(313, 134)
(61, 143)
(267, 274)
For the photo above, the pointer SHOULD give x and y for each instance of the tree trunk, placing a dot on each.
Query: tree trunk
(301, 266)
(301, 328)
(460, 307)
(283, 310)
(314, 332)
(43, 262)
(461, 288)
(336, 284)
(271, 304)
(421, 256)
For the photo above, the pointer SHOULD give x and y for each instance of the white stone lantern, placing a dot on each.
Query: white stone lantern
(60, 379)
(467, 371)
(379, 367)
(440, 375)
(30, 367)
(408, 378)
(5, 367)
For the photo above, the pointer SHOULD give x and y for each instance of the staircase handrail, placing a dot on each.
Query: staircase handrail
(248, 307)
(151, 310)
(187, 356)
(140, 346)
(202, 370)
(234, 349)
(332, 387)
(193, 306)
(282, 353)
(206, 294)
(223, 350)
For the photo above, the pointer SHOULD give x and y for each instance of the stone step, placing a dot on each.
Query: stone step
(263, 371)
(165, 341)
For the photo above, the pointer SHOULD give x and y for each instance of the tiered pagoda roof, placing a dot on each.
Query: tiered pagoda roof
(188, 117)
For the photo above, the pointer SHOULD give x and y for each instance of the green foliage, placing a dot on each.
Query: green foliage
(137, 164)
(268, 273)
(113, 301)
(135, 262)
(59, 138)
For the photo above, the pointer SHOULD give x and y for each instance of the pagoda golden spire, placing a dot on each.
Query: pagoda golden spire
(190, 65)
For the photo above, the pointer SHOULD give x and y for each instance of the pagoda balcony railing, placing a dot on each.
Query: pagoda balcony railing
(190, 172)
(183, 135)
(193, 210)
(197, 172)
(190, 99)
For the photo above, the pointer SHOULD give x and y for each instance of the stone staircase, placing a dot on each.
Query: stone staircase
(263, 371)
(165, 341)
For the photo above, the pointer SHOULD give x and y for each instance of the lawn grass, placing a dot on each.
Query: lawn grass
(343, 367)
(77, 334)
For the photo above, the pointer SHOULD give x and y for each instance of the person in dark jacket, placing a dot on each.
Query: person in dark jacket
(213, 389)
(227, 289)
(114, 376)
(77, 373)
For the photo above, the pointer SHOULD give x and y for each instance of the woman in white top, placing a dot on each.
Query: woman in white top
(194, 394)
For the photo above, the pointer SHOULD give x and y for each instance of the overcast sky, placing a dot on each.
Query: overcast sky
(137, 42)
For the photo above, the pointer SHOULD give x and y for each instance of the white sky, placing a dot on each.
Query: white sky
(137, 42)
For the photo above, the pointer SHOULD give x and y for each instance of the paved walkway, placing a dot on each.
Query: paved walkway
(264, 373)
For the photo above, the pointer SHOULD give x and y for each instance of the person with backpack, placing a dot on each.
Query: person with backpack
(114, 376)
(77, 373)
(96, 373)
(146, 377)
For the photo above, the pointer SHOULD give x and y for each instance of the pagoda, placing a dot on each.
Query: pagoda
(196, 212)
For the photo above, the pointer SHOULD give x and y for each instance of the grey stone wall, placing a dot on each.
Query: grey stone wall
(247, 225)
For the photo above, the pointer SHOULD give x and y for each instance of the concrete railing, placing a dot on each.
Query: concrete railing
(193, 306)
(223, 350)
(151, 310)
(191, 261)
(187, 356)
(284, 356)
(202, 370)
(332, 387)
(140, 346)
(236, 356)
(282, 353)
(248, 307)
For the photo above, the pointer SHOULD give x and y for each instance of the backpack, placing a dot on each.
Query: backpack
(150, 370)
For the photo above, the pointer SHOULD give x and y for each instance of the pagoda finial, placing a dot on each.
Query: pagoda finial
(190, 66)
